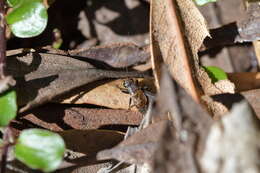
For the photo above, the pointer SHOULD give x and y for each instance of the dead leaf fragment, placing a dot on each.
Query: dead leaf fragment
(138, 148)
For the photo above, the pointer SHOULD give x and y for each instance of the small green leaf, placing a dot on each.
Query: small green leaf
(28, 19)
(40, 149)
(215, 73)
(203, 2)
(8, 107)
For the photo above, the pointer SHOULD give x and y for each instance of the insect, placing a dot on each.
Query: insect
(138, 98)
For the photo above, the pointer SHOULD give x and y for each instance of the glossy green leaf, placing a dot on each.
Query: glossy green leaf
(203, 2)
(8, 107)
(28, 19)
(40, 149)
(215, 73)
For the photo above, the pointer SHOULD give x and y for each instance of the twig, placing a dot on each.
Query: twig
(2, 38)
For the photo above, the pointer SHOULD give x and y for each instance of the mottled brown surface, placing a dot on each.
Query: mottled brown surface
(61, 117)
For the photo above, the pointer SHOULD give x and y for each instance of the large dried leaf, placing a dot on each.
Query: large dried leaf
(117, 55)
(177, 32)
(108, 94)
(169, 36)
(233, 143)
(42, 77)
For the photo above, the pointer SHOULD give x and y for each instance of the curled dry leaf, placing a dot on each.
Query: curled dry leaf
(168, 42)
(117, 55)
(230, 149)
(177, 32)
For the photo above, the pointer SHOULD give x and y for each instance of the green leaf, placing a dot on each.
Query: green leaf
(8, 107)
(13, 3)
(203, 2)
(40, 149)
(215, 73)
(28, 19)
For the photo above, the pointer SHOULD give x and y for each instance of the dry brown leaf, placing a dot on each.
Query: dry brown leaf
(168, 38)
(42, 77)
(108, 94)
(137, 148)
(117, 55)
(62, 117)
(177, 32)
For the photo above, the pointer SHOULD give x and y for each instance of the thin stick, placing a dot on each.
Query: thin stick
(2, 38)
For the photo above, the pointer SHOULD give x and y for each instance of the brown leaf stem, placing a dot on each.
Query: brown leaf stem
(2, 38)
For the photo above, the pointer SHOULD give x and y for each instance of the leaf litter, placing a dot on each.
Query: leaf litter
(191, 124)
